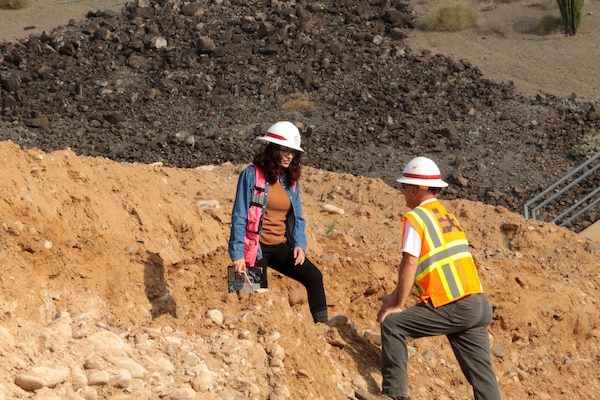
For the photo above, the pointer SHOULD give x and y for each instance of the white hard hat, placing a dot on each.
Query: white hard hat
(283, 133)
(421, 171)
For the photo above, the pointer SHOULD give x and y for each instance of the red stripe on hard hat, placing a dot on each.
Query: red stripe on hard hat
(421, 176)
(274, 136)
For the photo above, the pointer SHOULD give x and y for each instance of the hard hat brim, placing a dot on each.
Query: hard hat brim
(281, 143)
(423, 182)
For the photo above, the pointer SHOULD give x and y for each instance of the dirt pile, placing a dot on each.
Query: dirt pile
(113, 286)
(188, 84)
(114, 266)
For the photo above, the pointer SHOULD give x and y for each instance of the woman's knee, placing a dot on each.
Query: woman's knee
(311, 272)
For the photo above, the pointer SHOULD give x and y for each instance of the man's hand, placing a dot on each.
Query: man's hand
(388, 305)
(395, 302)
(385, 311)
(387, 300)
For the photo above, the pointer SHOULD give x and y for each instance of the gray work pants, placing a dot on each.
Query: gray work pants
(464, 322)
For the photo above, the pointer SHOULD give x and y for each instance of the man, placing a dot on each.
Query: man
(437, 261)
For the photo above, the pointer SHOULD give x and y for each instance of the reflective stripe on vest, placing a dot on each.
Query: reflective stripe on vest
(446, 270)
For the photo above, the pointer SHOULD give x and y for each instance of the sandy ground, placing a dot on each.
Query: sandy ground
(44, 15)
(553, 63)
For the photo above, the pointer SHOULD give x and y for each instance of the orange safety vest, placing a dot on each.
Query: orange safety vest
(446, 270)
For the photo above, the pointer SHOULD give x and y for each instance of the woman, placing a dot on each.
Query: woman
(279, 227)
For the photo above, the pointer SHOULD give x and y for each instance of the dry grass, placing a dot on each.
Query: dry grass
(588, 147)
(452, 17)
(541, 4)
(495, 26)
(548, 24)
(297, 102)
(13, 4)
(549, 5)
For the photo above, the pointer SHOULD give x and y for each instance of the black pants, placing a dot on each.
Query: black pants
(281, 259)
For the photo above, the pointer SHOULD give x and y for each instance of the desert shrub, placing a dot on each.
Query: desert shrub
(13, 4)
(550, 5)
(295, 101)
(544, 4)
(330, 229)
(494, 26)
(453, 17)
(589, 145)
(547, 24)
(570, 11)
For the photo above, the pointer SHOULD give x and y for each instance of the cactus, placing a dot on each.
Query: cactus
(570, 11)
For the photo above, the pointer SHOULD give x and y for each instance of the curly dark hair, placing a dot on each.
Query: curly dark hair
(268, 161)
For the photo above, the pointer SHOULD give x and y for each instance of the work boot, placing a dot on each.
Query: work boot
(320, 316)
(360, 395)
(338, 320)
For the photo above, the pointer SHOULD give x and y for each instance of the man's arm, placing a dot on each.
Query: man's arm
(396, 301)
(406, 277)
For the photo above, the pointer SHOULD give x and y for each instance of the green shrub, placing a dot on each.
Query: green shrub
(570, 11)
(453, 17)
(13, 4)
(330, 230)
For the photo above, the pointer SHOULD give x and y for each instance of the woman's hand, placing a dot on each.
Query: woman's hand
(239, 266)
(299, 256)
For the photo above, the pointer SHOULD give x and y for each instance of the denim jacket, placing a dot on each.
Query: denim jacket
(295, 224)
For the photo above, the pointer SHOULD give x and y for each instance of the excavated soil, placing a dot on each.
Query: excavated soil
(124, 133)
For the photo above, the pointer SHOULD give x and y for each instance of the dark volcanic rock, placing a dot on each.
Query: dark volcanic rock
(123, 85)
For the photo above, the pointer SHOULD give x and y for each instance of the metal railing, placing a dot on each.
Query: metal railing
(569, 181)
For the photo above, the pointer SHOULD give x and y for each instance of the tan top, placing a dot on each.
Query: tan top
(278, 205)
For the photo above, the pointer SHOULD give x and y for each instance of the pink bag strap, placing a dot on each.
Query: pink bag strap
(257, 203)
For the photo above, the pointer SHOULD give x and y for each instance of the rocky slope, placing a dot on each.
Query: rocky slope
(188, 84)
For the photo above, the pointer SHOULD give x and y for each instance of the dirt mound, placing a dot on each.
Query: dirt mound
(112, 267)
(186, 84)
(115, 217)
